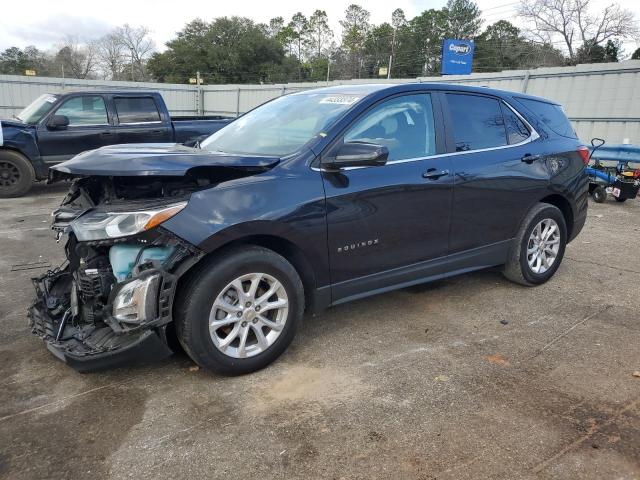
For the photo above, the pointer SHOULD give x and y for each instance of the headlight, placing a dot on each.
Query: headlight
(95, 225)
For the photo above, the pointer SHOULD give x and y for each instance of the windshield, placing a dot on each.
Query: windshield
(37, 109)
(282, 126)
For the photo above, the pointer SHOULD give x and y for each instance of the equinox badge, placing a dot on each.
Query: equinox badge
(353, 246)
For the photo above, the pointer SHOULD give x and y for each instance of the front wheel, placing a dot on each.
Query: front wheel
(239, 312)
(538, 249)
(16, 174)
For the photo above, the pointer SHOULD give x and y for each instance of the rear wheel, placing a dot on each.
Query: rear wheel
(239, 312)
(599, 194)
(16, 174)
(538, 248)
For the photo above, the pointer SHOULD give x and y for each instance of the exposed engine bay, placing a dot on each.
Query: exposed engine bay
(114, 294)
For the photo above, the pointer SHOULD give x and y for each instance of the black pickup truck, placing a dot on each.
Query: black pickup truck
(56, 127)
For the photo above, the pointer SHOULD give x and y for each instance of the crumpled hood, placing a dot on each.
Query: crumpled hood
(162, 159)
(12, 122)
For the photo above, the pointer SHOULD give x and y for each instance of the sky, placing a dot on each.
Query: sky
(45, 23)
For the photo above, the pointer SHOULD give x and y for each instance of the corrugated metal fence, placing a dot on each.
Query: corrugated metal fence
(601, 99)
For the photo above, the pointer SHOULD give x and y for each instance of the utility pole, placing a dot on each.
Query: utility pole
(132, 75)
(393, 48)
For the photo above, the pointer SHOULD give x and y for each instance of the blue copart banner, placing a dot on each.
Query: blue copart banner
(457, 57)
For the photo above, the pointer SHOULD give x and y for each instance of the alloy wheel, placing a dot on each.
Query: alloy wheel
(248, 315)
(543, 246)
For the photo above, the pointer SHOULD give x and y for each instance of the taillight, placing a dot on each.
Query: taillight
(584, 154)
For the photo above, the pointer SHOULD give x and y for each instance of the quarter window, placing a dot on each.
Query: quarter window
(477, 122)
(516, 130)
(88, 110)
(404, 125)
(136, 110)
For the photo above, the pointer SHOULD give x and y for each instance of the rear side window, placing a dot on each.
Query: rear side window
(551, 115)
(136, 109)
(516, 129)
(477, 122)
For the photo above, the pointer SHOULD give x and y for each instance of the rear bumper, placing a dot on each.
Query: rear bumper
(578, 224)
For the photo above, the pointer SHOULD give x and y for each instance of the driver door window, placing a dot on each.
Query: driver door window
(85, 111)
(404, 125)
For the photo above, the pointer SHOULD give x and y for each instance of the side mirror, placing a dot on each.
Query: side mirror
(358, 154)
(58, 122)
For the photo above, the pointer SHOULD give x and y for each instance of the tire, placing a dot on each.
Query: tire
(620, 200)
(599, 194)
(517, 269)
(16, 174)
(211, 283)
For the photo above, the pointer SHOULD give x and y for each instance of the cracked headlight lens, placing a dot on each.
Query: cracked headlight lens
(95, 225)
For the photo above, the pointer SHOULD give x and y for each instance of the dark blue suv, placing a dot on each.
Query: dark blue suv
(308, 201)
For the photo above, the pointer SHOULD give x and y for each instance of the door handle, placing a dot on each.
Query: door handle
(156, 132)
(433, 174)
(105, 133)
(529, 158)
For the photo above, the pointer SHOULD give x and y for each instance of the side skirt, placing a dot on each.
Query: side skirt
(422, 272)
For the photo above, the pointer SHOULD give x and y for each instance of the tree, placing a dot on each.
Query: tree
(14, 61)
(501, 47)
(319, 32)
(572, 22)
(463, 19)
(112, 56)
(636, 55)
(428, 30)
(275, 26)
(76, 59)
(589, 52)
(355, 27)
(227, 50)
(139, 46)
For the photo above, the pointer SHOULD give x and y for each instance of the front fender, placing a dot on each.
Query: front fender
(287, 205)
(22, 139)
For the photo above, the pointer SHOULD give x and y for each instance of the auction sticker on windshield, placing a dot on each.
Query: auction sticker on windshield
(340, 99)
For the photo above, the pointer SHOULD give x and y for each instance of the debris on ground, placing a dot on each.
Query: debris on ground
(194, 368)
(498, 359)
(504, 322)
(441, 378)
(636, 374)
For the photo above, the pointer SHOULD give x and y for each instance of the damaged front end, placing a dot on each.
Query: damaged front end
(110, 303)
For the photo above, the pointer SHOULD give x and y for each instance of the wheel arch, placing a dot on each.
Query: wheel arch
(292, 252)
(564, 206)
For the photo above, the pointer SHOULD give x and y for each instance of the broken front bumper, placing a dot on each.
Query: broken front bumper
(58, 318)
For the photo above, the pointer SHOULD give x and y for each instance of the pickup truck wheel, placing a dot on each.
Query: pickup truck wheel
(240, 311)
(16, 174)
(538, 249)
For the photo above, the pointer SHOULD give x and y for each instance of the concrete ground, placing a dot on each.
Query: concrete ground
(472, 377)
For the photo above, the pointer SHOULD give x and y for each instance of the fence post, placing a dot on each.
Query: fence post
(525, 81)
(284, 90)
(238, 102)
(199, 96)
